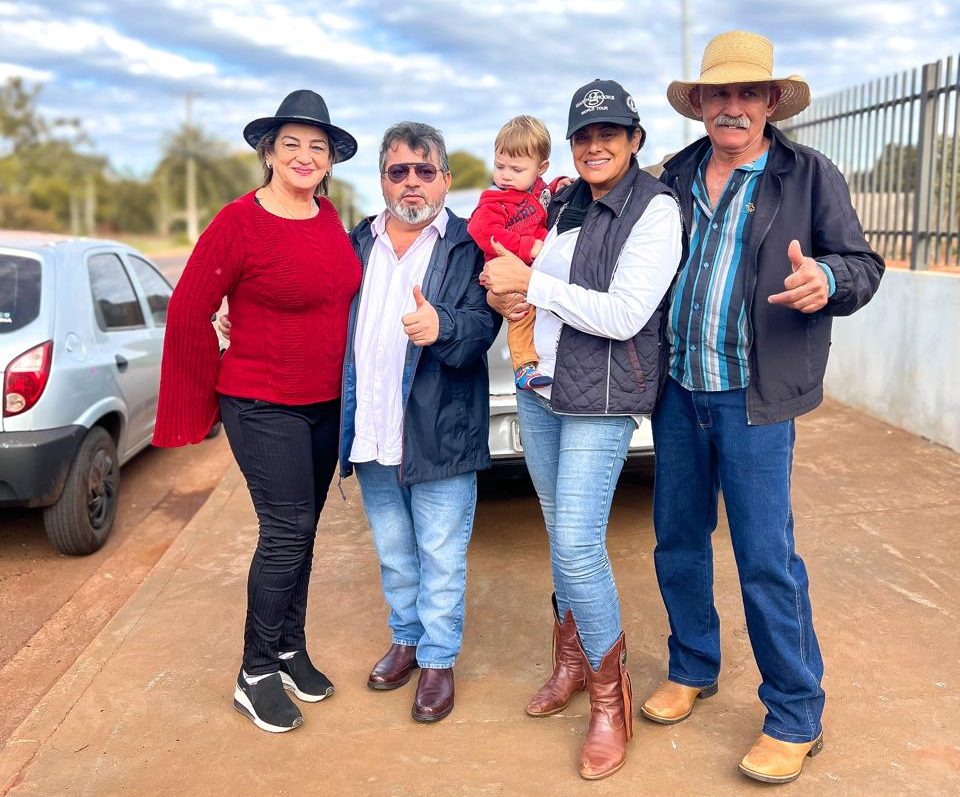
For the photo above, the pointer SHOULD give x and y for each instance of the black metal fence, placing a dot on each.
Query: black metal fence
(896, 141)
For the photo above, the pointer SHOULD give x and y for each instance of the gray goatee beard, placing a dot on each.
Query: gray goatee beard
(418, 214)
(723, 120)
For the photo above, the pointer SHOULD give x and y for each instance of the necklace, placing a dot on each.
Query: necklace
(283, 207)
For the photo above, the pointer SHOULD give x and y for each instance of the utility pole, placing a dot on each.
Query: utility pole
(90, 205)
(193, 225)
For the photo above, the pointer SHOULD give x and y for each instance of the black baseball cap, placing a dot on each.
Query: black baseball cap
(603, 101)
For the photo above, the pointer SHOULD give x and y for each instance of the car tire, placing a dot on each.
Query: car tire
(81, 520)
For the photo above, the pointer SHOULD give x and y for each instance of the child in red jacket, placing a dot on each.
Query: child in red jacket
(514, 214)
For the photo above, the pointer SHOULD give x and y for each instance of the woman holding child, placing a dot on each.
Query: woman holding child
(598, 285)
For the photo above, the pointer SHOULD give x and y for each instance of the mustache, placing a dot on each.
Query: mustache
(732, 121)
(413, 192)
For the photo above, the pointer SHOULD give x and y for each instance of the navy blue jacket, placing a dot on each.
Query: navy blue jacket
(445, 389)
(801, 195)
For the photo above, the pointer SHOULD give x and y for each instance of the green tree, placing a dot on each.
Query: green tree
(344, 198)
(468, 171)
(20, 125)
(222, 175)
(129, 206)
(42, 165)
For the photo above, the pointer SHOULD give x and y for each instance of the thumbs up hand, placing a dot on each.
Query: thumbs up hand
(422, 326)
(807, 287)
(506, 273)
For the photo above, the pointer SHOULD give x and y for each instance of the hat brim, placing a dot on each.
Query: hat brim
(794, 91)
(344, 144)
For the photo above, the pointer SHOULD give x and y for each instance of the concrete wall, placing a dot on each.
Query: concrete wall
(899, 358)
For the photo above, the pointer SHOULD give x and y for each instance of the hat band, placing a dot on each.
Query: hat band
(735, 73)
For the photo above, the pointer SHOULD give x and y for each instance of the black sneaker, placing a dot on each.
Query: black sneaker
(266, 704)
(303, 679)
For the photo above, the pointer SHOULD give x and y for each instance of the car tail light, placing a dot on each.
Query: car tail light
(25, 378)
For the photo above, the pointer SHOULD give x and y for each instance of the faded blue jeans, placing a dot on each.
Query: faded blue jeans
(704, 444)
(575, 462)
(421, 533)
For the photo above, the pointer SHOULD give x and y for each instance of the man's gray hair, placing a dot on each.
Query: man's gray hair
(420, 138)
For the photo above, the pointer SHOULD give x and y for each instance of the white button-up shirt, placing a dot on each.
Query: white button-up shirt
(644, 271)
(380, 344)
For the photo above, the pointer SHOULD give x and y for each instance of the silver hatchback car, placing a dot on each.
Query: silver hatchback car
(81, 337)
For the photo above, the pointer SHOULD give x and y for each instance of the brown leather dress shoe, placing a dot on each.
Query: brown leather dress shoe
(672, 702)
(434, 699)
(773, 761)
(394, 669)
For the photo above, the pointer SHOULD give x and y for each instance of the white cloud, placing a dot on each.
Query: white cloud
(464, 66)
(101, 44)
(25, 72)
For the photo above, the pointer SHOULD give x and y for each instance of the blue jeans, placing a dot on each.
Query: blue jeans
(421, 533)
(574, 462)
(704, 445)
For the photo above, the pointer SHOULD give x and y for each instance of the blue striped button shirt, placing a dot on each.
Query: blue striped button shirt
(708, 332)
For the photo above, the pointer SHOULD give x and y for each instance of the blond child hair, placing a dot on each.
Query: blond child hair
(524, 136)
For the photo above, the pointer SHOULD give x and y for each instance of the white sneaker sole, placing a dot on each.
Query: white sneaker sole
(242, 704)
(290, 686)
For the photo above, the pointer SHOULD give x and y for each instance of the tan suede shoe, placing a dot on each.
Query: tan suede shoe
(672, 702)
(773, 761)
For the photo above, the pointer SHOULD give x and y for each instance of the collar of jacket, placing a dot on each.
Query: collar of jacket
(782, 157)
(615, 199)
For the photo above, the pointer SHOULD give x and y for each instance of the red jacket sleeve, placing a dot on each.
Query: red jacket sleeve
(188, 404)
(489, 220)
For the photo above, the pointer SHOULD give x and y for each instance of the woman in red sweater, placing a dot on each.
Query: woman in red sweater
(283, 260)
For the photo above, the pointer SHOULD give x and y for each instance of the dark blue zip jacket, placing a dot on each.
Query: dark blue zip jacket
(801, 195)
(445, 389)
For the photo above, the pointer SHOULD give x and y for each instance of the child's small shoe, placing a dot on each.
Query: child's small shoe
(528, 377)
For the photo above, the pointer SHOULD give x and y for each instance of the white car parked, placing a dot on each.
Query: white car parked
(81, 337)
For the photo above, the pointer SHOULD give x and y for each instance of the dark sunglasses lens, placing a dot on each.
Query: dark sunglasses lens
(397, 173)
(426, 172)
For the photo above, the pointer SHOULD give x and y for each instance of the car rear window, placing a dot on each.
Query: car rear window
(19, 291)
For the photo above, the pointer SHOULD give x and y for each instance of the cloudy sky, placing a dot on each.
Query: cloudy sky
(125, 67)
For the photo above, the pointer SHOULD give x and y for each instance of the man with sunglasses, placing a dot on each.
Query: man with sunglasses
(416, 408)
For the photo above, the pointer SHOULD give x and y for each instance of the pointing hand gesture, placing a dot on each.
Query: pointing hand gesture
(423, 324)
(807, 287)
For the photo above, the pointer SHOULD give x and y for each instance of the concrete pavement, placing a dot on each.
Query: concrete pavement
(147, 708)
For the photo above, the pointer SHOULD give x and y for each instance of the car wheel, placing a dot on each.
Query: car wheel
(81, 520)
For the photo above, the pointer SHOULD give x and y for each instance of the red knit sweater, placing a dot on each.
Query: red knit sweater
(289, 284)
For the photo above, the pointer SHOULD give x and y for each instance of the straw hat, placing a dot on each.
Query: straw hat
(741, 57)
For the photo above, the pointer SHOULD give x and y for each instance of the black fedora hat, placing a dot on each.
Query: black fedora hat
(304, 107)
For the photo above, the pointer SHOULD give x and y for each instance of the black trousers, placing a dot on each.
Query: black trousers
(287, 455)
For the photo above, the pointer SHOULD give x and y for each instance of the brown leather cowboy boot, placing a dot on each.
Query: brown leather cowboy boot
(569, 675)
(604, 750)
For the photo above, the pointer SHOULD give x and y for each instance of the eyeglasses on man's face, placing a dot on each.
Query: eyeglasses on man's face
(397, 172)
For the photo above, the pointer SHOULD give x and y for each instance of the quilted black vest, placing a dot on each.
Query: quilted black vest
(595, 375)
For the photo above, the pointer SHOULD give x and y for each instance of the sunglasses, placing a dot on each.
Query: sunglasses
(397, 172)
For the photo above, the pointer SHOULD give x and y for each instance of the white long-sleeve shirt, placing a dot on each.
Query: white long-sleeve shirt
(644, 271)
(380, 344)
